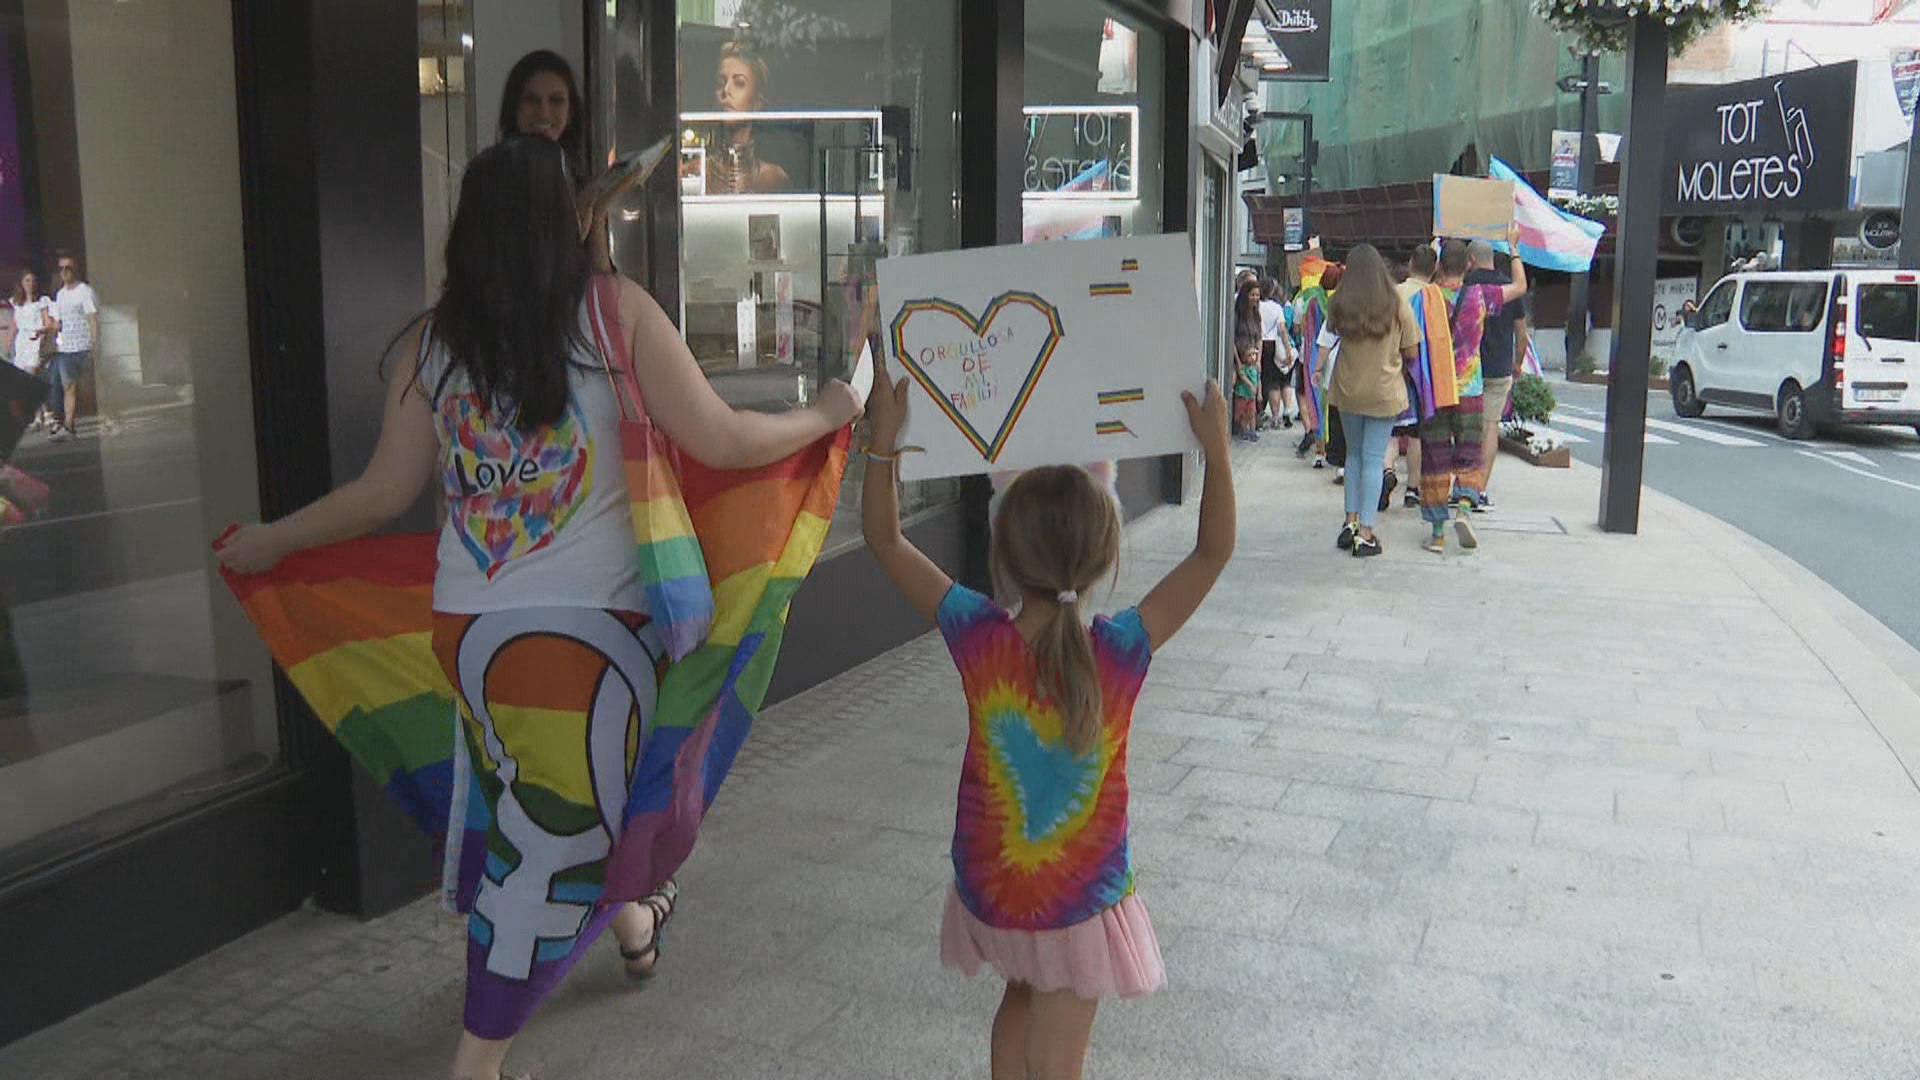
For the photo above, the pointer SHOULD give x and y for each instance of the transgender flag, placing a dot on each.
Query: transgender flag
(1550, 238)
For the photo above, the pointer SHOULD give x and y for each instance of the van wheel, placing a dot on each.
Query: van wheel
(1792, 407)
(1686, 399)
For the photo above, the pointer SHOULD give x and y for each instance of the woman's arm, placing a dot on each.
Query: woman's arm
(1518, 289)
(1172, 602)
(918, 577)
(684, 404)
(403, 461)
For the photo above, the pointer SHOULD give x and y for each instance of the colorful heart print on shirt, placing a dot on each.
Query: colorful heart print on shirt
(509, 492)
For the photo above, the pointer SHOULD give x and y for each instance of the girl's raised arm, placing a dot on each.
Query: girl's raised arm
(1172, 602)
(919, 577)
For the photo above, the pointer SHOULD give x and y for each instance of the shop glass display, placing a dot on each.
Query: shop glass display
(816, 137)
(1093, 117)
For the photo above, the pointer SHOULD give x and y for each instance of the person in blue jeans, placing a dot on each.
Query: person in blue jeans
(1378, 335)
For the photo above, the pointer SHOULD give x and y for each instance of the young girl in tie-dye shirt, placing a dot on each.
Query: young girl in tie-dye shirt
(1043, 878)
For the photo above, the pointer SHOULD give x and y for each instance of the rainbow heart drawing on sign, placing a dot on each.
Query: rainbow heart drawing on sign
(958, 371)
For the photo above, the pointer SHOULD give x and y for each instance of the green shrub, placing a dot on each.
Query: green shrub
(1533, 398)
(1658, 368)
(1585, 364)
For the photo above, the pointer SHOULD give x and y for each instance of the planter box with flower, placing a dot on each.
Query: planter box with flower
(1527, 435)
(1606, 26)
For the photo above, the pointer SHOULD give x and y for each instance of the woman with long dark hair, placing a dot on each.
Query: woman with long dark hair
(538, 598)
(542, 98)
(1367, 387)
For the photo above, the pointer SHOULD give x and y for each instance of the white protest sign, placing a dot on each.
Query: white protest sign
(1045, 354)
(1670, 296)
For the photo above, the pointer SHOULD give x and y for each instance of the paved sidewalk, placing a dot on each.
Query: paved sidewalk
(1576, 806)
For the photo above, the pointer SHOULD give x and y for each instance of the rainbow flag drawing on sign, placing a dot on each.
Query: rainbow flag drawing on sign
(1122, 397)
(351, 624)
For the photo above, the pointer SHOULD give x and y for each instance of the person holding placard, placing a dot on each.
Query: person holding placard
(1452, 458)
(1046, 897)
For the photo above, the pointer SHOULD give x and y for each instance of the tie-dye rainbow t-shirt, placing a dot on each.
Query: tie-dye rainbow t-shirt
(1040, 836)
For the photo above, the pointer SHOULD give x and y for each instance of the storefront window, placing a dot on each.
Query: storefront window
(815, 139)
(1094, 123)
(131, 686)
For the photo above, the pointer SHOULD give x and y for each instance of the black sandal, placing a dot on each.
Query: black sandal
(661, 902)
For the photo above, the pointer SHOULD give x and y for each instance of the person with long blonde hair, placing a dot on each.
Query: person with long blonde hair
(1043, 886)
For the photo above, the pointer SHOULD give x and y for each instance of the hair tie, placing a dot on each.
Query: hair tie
(1068, 598)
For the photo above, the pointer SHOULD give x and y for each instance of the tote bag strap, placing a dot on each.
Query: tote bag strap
(610, 338)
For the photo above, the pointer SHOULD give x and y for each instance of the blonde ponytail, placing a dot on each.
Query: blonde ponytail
(1057, 533)
(1068, 673)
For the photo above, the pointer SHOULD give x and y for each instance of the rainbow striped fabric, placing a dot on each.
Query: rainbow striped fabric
(1434, 384)
(678, 597)
(351, 624)
(1312, 306)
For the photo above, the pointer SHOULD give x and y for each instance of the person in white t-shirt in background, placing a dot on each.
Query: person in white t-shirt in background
(33, 323)
(1277, 356)
(79, 314)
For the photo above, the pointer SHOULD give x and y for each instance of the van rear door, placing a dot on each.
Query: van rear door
(1883, 355)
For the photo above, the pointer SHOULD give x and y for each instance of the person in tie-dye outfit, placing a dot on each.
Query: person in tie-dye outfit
(1043, 886)
(1452, 458)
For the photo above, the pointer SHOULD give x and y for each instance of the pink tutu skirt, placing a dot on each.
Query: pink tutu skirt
(1113, 954)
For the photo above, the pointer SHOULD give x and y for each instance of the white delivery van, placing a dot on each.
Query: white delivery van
(1814, 348)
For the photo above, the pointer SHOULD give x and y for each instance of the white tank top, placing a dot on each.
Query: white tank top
(539, 518)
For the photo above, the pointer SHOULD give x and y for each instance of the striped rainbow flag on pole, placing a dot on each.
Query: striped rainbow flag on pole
(351, 624)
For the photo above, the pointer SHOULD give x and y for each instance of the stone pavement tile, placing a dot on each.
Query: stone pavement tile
(1425, 780)
(903, 965)
(1162, 853)
(1387, 848)
(1525, 864)
(741, 1061)
(1728, 851)
(1178, 903)
(876, 1033)
(1448, 1055)
(1671, 807)
(1383, 934)
(1152, 746)
(1310, 878)
(1261, 828)
(1660, 756)
(1477, 822)
(1669, 929)
(1224, 729)
(1514, 952)
(1550, 793)
(1150, 775)
(1267, 761)
(1220, 785)
(1440, 893)
(1257, 969)
(1155, 695)
(1354, 804)
(1382, 748)
(1651, 843)
(1292, 707)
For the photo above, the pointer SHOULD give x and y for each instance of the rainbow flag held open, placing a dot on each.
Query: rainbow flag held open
(351, 625)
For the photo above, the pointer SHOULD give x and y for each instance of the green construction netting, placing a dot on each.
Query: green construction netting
(1416, 82)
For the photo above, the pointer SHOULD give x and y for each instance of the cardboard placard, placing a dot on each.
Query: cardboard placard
(1043, 354)
(1471, 208)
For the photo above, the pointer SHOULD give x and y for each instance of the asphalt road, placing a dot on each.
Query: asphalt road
(1845, 505)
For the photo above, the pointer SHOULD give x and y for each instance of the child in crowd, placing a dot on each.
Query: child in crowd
(1043, 880)
(1246, 394)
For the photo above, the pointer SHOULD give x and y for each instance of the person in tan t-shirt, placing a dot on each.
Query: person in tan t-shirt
(1378, 334)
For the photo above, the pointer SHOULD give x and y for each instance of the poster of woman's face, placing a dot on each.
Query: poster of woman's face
(727, 73)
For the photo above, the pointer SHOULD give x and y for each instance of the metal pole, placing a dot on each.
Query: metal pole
(1634, 270)
(1581, 301)
(1910, 207)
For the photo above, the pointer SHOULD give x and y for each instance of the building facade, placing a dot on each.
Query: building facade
(257, 193)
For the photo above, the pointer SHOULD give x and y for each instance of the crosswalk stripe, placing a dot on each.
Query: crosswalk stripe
(1570, 437)
(1585, 424)
(1854, 456)
(1914, 454)
(1703, 433)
